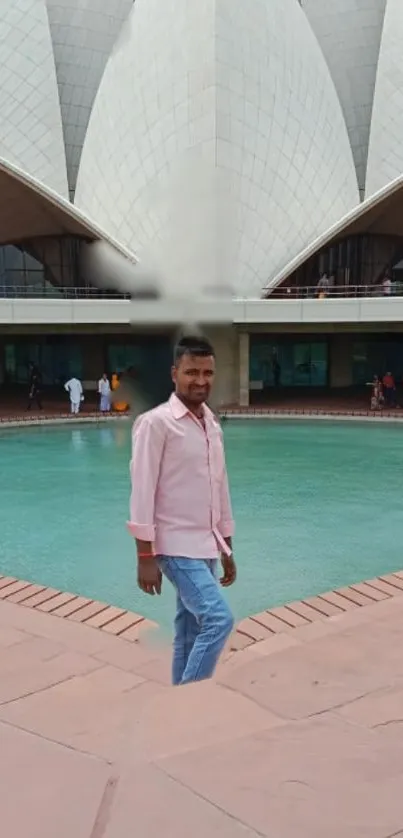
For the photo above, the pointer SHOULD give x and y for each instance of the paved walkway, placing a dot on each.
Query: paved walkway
(300, 735)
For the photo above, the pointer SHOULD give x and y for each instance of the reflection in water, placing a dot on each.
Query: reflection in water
(77, 439)
(106, 437)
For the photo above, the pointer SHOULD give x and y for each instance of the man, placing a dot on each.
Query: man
(75, 391)
(323, 286)
(180, 511)
(35, 387)
(104, 391)
(389, 389)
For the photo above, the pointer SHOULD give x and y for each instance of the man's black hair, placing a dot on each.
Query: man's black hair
(193, 345)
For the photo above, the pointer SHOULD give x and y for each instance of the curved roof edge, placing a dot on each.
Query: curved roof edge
(30, 209)
(356, 221)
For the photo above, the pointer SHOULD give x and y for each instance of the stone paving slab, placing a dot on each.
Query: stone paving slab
(299, 736)
(319, 777)
(47, 790)
(168, 808)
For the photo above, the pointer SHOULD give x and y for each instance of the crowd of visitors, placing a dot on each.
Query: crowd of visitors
(328, 286)
(383, 390)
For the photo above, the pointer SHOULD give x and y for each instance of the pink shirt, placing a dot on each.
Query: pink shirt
(180, 498)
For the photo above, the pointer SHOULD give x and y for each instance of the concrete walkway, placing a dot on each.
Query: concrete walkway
(300, 734)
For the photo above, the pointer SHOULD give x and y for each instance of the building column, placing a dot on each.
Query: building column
(244, 369)
(226, 386)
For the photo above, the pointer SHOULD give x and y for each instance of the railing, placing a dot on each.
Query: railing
(281, 293)
(55, 293)
(337, 291)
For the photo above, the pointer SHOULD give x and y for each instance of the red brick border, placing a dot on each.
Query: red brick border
(226, 412)
(310, 411)
(116, 621)
(296, 614)
(30, 420)
(129, 626)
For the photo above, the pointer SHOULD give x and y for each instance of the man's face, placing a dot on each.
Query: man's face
(193, 377)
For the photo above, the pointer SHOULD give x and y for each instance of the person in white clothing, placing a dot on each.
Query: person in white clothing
(75, 390)
(104, 390)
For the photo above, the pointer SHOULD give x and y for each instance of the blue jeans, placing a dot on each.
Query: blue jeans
(203, 619)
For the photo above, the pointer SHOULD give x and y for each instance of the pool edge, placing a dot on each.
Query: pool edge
(226, 414)
(129, 626)
(60, 419)
(309, 414)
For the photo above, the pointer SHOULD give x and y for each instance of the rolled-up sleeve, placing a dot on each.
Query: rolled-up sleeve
(226, 524)
(148, 446)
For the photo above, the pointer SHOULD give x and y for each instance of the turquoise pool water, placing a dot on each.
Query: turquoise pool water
(318, 505)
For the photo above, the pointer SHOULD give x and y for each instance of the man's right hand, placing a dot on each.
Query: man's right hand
(149, 576)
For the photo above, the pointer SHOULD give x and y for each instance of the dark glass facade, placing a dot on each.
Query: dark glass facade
(43, 265)
(375, 355)
(59, 356)
(361, 260)
(288, 361)
(317, 362)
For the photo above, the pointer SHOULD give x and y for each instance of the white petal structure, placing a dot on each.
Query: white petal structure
(349, 33)
(385, 157)
(218, 140)
(83, 34)
(31, 136)
(238, 91)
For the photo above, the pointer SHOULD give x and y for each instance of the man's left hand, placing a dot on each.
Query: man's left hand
(229, 568)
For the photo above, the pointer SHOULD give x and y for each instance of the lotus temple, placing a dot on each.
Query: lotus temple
(284, 119)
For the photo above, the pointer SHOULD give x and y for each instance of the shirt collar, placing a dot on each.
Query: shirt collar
(179, 410)
(177, 407)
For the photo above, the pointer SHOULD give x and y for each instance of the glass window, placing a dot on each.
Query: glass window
(288, 363)
(32, 264)
(376, 356)
(18, 357)
(13, 258)
(60, 361)
(10, 361)
(57, 360)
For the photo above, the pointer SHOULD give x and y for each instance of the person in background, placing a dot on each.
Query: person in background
(180, 511)
(75, 390)
(389, 389)
(386, 286)
(35, 387)
(104, 390)
(117, 403)
(323, 286)
(376, 393)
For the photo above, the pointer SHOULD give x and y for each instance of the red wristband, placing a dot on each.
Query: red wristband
(145, 556)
